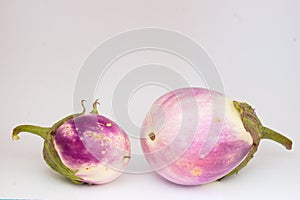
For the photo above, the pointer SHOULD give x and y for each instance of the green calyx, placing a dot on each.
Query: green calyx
(257, 131)
(50, 154)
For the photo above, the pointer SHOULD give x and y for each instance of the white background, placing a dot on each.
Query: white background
(255, 46)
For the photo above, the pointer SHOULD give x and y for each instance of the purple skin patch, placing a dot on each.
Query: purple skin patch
(189, 169)
(90, 140)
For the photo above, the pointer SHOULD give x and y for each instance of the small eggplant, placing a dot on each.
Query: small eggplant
(84, 147)
(193, 136)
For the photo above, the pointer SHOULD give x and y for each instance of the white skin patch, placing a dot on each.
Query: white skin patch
(235, 121)
(97, 174)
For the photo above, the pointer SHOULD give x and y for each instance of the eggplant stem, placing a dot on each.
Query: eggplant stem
(83, 106)
(95, 109)
(37, 130)
(257, 131)
(277, 137)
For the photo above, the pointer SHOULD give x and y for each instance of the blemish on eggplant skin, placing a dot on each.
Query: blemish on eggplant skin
(196, 172)
(102, 143)
(126, 157)
(231, 159)
(151, 136)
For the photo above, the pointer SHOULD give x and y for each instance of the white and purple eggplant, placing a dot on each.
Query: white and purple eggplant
(84, 147)
(193, 136)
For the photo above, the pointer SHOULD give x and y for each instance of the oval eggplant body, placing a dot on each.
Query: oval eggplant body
(93, 146)
(193, 136)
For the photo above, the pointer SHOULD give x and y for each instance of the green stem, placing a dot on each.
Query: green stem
(277, 137)
(37, 130)
(257, 131)
(95, 109)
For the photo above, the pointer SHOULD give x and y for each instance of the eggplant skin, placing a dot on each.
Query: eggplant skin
(200, 134)
(94, 147)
